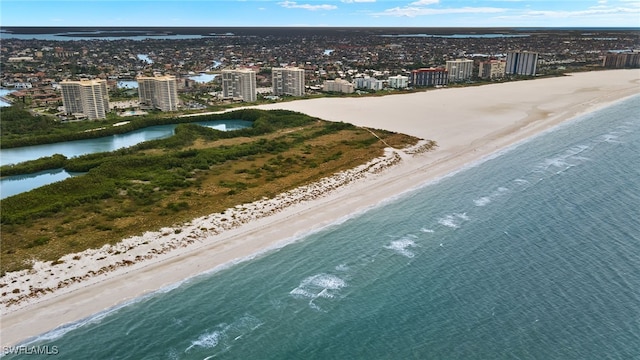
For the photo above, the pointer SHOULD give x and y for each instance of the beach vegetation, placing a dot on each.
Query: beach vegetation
(161, 183)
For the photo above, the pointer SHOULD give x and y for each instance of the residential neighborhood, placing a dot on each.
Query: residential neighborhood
(267, 64)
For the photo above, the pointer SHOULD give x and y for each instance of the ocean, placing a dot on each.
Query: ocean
(533, 253)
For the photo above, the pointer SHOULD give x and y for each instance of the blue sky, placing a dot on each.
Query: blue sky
(402, 13)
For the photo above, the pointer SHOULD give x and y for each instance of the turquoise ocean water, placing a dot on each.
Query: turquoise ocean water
(532, 254)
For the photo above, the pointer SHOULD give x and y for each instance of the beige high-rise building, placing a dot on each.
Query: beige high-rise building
(460, 69)
(158, 92)
(89, 98)
(492, 69)
(288, 81)
(338, 85)
(239, 85)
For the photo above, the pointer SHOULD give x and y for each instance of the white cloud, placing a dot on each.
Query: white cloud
(357, 1)
(597, 10)
(420, 11)
(599, 15)
(420, 8)
(424, 2)
(295, 5)
(631, 2)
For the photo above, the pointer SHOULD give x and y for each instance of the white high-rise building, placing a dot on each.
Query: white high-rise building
(86, 97)
(158, 92)
(239, 85)
(287, 81)
(522, 63)
(460, 69)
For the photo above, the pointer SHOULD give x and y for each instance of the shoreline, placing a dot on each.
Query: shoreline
(492, 118)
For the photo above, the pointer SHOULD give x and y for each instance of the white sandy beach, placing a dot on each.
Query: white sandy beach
(468, 125)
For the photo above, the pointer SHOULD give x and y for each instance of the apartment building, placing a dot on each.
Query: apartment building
(287, 81)
(492, 69)
(430, 77)
(621, 60)
(338, 85)
(86, 98)
(521, 63)
(459, 70)
(239, 84)
(158, 92)
(367, 82)
(398, 81)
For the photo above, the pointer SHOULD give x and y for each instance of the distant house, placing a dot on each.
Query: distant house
(22, 85)
(20, 58)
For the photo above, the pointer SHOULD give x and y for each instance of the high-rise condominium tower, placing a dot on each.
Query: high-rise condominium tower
(158, 92)
(492, 69)
(459, 70)
(87, 97)
(288, 81)
(521, 63)
(239, 84)
(429, 77)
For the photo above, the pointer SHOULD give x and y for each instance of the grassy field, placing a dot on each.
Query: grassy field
(168, 182)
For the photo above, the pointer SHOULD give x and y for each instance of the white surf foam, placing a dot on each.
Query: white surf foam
(226, 333)
(453, 220)
(485, 200)
(448, 221)
(318, 286)
(173, 354)
(401, 247)
(207, 340)
(462, 216)
(568, 159)
(342, 267)
(610, 138)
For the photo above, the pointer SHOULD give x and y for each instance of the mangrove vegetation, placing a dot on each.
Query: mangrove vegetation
(160, 183)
